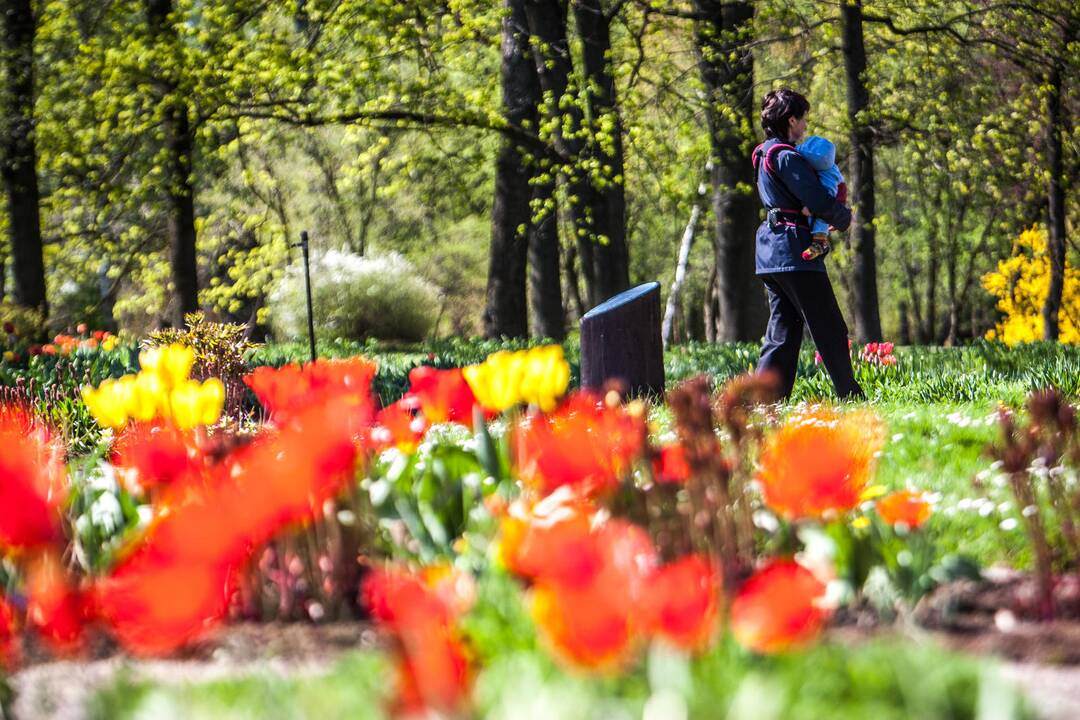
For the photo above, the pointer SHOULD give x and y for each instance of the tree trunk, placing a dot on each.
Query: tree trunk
(1056, 199)
(18, 163)
(179, 145)
(727, 71)
(611, 258)
(867, 314)
(681, 265)
(506, 312)
(545, 283)
(554, 67)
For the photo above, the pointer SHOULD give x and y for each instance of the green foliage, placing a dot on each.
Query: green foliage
(434, 494)
(101, 512)
(220, 351)
(355, 297)
(28, 325)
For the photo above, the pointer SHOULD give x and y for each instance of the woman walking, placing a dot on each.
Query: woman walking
(800, 294)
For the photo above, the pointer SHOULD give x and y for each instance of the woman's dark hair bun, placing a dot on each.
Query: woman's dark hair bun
(777, 107)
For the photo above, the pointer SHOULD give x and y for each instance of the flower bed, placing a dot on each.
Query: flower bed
(506, 527)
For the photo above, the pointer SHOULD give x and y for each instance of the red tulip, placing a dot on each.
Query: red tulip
(398, 426)
(32, 482)
(286, 390)
(681, 602)
(583, 443)
(55, 609)
(779, 608)
(148, 455)
(670, 466)
(10, 645)
(433, 668)
(443, 395)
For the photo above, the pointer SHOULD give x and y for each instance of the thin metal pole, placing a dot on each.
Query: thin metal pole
(307, 282)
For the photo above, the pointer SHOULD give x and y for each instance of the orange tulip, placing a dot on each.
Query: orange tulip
(904, 508)
(778, 608)
(553, 540)
(583, 443)
(818, 464)
(681, 602)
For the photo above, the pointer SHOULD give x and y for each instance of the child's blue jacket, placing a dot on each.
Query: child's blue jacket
(794, 186)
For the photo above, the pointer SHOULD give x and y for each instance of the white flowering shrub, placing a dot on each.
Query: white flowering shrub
(355, 297)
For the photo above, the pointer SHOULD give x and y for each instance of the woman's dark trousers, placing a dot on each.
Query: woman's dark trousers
(798, 300)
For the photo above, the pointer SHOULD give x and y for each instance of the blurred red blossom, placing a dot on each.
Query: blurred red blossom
(670, 465)
(682, 602)
(585, 442)
(55, 608)
(443, 395)
(152, 454)
(433, 664)
(10, 645)
(32, 482)
(780, 607)
(287, 389)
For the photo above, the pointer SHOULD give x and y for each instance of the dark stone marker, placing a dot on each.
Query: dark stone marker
(620, 339)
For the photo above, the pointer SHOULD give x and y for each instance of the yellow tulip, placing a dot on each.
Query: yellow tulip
(546, 377)
(148, 397)
(194, 404)
(172, 363)
(108, 403)
(539, 376)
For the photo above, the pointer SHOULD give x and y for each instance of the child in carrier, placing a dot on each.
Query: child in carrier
(821, 154)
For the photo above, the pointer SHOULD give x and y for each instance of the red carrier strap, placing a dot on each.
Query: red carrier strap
(770, 156)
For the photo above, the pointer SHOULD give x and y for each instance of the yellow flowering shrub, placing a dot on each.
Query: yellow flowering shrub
(1021, 284)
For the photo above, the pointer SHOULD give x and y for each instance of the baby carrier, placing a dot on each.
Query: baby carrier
(777, 216)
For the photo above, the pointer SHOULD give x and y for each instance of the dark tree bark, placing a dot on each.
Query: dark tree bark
(554, 66)
(611, 257)
(179, 146)
(506, 312)
(1056, 198)
(18, 163)
(736, 304)
(545, 281)
(867, 313)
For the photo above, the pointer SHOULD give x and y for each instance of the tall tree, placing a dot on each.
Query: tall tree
(611, 257)
(864, 285)
(505, 312)
(179, 143)
(726, 65)
(18, 163)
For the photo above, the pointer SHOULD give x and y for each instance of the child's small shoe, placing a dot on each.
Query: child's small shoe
(819, 247)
